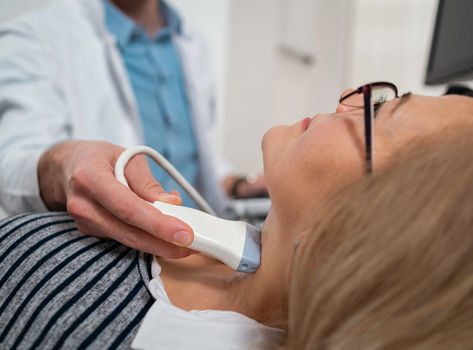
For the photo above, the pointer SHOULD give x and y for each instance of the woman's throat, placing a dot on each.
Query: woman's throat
(200, 283)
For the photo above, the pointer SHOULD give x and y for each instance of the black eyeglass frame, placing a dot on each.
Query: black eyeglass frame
(369, 108)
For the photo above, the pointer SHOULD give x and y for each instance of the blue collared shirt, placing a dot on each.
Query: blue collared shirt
(156, 77)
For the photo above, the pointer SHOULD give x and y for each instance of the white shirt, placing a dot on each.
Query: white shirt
(165, 326)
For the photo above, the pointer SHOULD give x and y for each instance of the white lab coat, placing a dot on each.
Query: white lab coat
(62, 78)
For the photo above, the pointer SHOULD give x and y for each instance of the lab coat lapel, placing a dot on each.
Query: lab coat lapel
(200, 93)
(95, 12)
(198, 79)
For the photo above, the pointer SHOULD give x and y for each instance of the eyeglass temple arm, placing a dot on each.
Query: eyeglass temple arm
(368, 106)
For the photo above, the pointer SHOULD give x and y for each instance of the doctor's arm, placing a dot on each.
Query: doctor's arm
(41, 169)
(78, 176)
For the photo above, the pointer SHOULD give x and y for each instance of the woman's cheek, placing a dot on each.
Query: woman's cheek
(338, 137)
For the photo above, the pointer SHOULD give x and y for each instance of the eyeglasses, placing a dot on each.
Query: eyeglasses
(370, 97)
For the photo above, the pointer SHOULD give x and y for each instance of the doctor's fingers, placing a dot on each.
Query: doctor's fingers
(92, 219)
(142, 182)
(126, 206)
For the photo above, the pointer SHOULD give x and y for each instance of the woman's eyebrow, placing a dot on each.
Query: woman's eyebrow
(404, 98)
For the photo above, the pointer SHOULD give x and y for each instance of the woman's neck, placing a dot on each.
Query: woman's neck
(144, 12)
(197, 282)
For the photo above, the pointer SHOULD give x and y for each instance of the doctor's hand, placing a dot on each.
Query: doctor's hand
(245, 187)
(78, 176)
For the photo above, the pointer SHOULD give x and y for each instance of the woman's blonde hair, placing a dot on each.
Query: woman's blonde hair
(390, 263)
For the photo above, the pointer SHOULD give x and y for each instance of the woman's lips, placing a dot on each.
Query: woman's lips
(306, 123)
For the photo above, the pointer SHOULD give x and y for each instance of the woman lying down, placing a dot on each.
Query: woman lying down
(62, 289)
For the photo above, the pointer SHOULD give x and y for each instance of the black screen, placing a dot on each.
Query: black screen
(451, 54)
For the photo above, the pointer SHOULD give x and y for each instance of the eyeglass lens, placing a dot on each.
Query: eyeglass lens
(379, 94)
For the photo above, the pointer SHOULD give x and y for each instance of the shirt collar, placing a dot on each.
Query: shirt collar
(204, 329)
(173, 22)
(123, 27)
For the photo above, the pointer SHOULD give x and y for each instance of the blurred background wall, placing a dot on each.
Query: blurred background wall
(351, 42)
(278, 61)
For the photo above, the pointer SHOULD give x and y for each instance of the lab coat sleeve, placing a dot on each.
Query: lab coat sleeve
(200, 85)
(33, 115)
(214, 130)
(222, 166)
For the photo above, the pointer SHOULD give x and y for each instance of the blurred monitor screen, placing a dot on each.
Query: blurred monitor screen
(451, 53)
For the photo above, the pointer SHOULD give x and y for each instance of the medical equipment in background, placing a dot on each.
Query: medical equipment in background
(451, 51)
(251, 210)
(235, 243)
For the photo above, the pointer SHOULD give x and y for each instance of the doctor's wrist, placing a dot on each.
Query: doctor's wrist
(238, 184)
(244, 186)
(49, 179)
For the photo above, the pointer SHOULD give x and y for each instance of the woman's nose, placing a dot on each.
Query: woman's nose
(342, 108)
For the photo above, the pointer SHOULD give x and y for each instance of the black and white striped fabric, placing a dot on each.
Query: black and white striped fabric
(60, 289)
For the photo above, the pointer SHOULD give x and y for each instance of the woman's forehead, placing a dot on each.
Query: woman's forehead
(420, 116)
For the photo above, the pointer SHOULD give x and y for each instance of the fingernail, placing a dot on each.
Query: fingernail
(166, 196)
(183, 238)
(169, 198)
